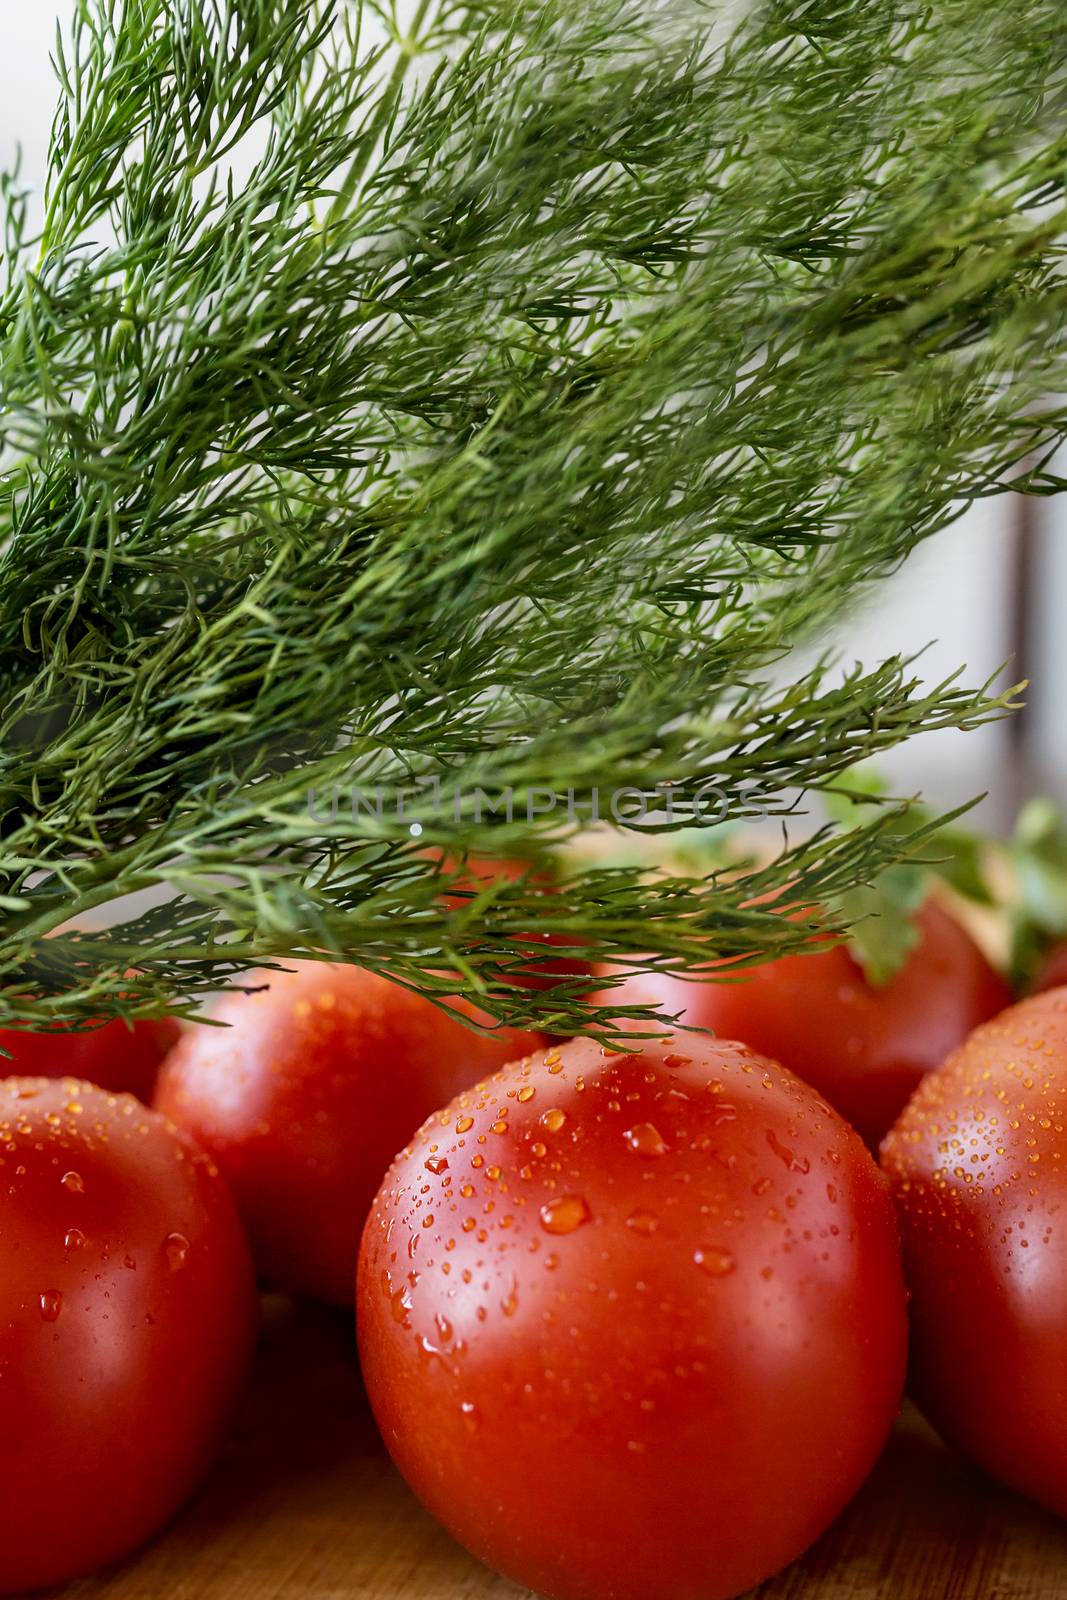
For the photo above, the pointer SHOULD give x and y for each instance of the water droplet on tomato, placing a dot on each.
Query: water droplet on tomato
(176, 1251)
(74, 1182)
(646, 1139)
(553, 1120)
(794, 1162)
(73, 1239)
(715, 1261)
(51, 1304)
(642, 1222)
(565, 1215)
(401, 1304)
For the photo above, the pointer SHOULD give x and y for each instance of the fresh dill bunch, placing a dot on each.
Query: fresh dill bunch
(489, 396)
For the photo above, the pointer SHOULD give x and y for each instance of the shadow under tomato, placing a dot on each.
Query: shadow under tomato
(305, 1505)
(928, 1526)
(304, 1501)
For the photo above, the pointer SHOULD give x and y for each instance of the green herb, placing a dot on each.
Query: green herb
(491, 394)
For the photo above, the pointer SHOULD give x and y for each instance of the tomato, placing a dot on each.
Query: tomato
(127, 1321)
(120, 1057)
(307, 1095)
(977, 1164)
(544, 971)
(865, 1048)
(1052, 969)
(634, 1326)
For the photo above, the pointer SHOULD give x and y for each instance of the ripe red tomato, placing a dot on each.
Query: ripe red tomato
(864, 1048)
(543, 972)
(1052, 969)
(634, 1325)
(977, 1164)
(127, 1321)
(123, 1059)
(307, 1095)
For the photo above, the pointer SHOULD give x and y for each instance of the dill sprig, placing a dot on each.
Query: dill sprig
(489, 395)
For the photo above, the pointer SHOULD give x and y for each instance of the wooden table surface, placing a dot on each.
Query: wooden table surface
(306, 1506)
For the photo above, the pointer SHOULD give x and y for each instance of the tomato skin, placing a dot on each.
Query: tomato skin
(124, 1060)
(976, 1164)
(641, 1332)
(865, 1049)
(305, 1098)
(127, 1322)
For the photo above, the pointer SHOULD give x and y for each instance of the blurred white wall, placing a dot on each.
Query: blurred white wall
(953, 596)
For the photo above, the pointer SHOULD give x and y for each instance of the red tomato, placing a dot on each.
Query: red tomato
(864, 1048)
(307, 1095)
(543, 972)
(977, 1164)
(634, 1326)
(1052, 970)
(116, 1057)
(127, 1321)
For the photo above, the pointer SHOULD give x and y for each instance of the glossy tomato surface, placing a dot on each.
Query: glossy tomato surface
(306, 1096)
(978, 1165)
(634, 1327)
(865, 1048)
(127, 1320)
(124, 1059)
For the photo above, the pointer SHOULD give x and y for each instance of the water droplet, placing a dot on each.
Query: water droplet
(526, 1093)
(553, 1120)
(713, 1260)
(646, 1139)
(794, 1162)
(74, 1182)
(642, 1222)
(401, 1304)
(176, 1251)
(51, 1303)
(129, 1263)
(564, 1215)
(436, 1165)
(73, 1239)
(464, 1124)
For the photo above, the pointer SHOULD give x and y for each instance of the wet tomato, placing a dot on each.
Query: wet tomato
(127, 1319)
(865, 1048)
(978, 1165)
(122, 1058)
(305, 1097)
(634, 1326)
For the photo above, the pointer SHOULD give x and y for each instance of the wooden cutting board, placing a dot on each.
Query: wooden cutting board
(306, 1506)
